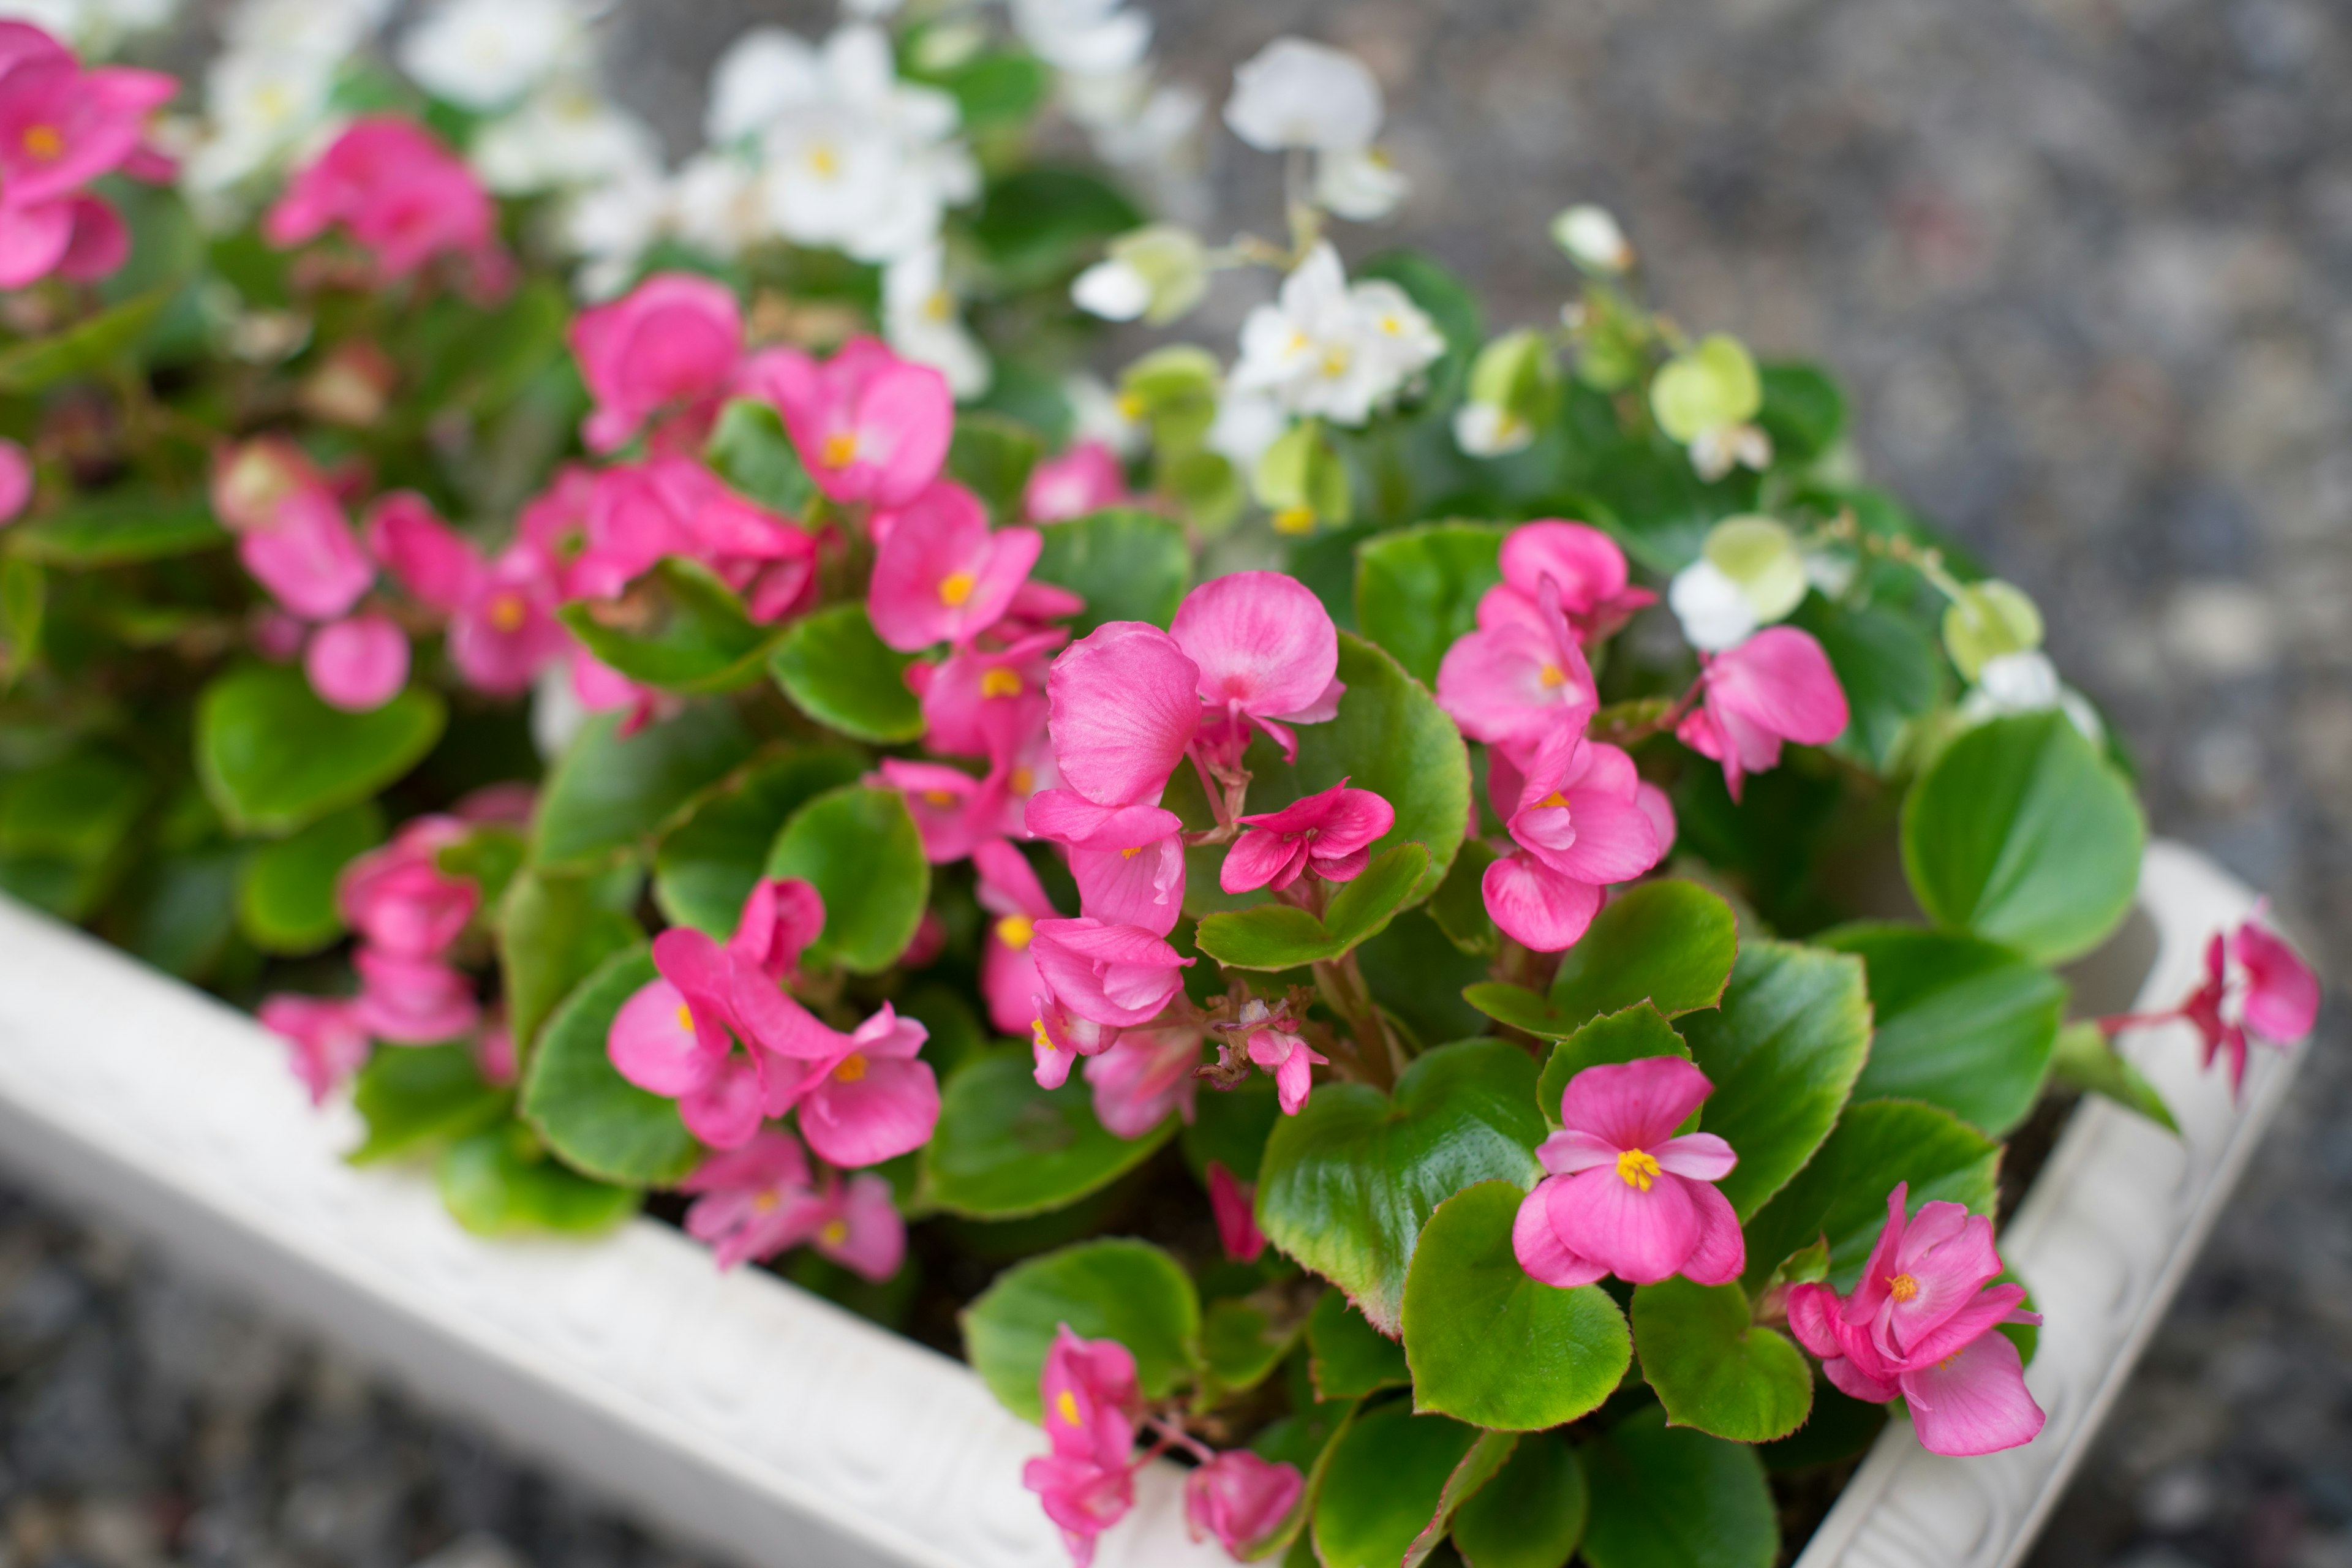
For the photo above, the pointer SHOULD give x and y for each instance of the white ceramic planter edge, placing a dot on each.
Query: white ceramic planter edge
(754, 1420)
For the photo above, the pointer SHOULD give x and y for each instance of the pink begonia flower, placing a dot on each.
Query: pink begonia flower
(61, 127)
(97, 243)
(1010, 891)
(1084, 479)
(1144, 1075)
(1586, 569)
(677, 1037)
(400, 195)
(1777, 685)
(868, 426)
(635, 516)
(1328, 834)
(1059, 1037)
(1118, 975)
(671, 341)
(398, 900)
(942, 576)
(761, 555)
(1125, 704)
(1923, 1322)
(779, 917)
(358, 663)
(759, 1200)
(1579, 826)
(502, 626)
(15, 480)
(952, 810)
(1520, 680)
(862, 1098)
(1283, 1052)
(1036, 604)
(1087, 1483)
(1268, 655)
(2254, 985)
(1240, 1498)
(413, 1001)
(1229, 1204)
(984, 702)
(329, 1043)
(1128, 860)
(1660, 810)
(291, 533)
(1625, 1196)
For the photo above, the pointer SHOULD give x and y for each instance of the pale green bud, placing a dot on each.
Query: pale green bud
(1172, 264)
(1711, 388)
(1760, 554)
(1514, 391)
(1302, 481)
(1987, 620)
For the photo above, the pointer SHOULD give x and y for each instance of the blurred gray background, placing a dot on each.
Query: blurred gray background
(2085, 267)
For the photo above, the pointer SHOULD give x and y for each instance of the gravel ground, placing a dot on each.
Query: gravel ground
(2085, 265)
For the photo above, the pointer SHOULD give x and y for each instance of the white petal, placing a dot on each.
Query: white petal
(1714, 611)
(1295, 94)
(1113, 290)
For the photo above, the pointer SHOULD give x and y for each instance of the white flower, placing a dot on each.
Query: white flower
(1361, 186)
(718, 204)
(1593, 239)
(609, 226)
(1295, 93)
(1246, 424)
(269, 92)
(1086, 37)
(919, 319)
(565, 137)
(1331, 349)
(1112, 290)
(1490, 430)
(1715, 611)
(2020, 682)
(1716, 451)
(485, 54)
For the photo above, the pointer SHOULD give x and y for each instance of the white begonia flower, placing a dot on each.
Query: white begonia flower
(1086, 38)
(764, 72)
(269, 93)
(920, 321)
(1112, 290)
(2027, 682)
(1749, 573)
(1331, 349)
(1247, 423)
(1716, 451)
(1361, 186)
(718, 204)
(1593, 239)
(483, 54)
(1714, 611)
(94, 27)
(1295, 94)
(565, 137)
(1490, 430)
(610, 224)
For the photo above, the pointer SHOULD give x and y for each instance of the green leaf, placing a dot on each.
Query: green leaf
(1126, 563)
(1886, 664)
(1305, 1440)
(1714, 1368)
(500, 1183)
(1668, 942)
(285, 894)
(1392, 1483)
(1417, 975)
(1630, 1036)
(1531, 1515)
(1240, 1344)
(750, 449)
(79, 809)
(1347, 1357)
(1037, 222)
(1459, 905)
(1840, 1429)
(1843, 1194)
(1669, 1496)
(1803, 412)
(411, 1095)
(1348, 1181)
(1490, 1344)
(1784, 1053)
(1130, 1291)
(1005, 1148)
(1417, 589)
(118, 529)
(2021, 832)
(553, 931)
(1279, 936)
(1231, 1127)
(273, 757)
(611, 796)
(1963, 1023)
(990, 455)
(2085, 1059)
(85, 347)
(859, 849)
(23, 608)
(677, 627)
(708, 864)
(840, 674)
(602, 1124)
(999, 89)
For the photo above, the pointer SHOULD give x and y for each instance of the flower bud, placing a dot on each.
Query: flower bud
(1749, 573)
(1593, 239)
(1514, 391)
(1711, 387)
(351, 388)
(1988, 619)
(1156, 273)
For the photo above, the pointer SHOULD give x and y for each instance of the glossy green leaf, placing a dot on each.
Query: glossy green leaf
(1241, 1343)
(1459, 905)
(840, 674)
(2022, 834)
(752, 450)
(1281, 936)
(708, 864)
(23, 613)
(677, 627)
(111, 528)
(501, 1183)
(1630, 1036)
(1531, 1515)
(1803, 412)
(602, 1124)
(1231, 1127)
(1783, 1052)
(2085, 1059)
(82, 349)
(273, 757)
(611, 795)
(1417, 589)
(1417, 977)
(1714, 1368)
(553, 931)
(412, 1095)
(1005, 1148)
(859, 849)
(285, 894)
(1039, 222)
(1669, 943)
(1347, 1357)
(1348, 1181)
(1963, 1023)
(79, 809)
(1126, 563)
(1670, 1497)
(990, 455)
(1392, 1484)
(1886, 666)
(1489, 1343)
(1130, 1291)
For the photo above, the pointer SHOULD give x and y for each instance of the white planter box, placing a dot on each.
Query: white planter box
(754, 1420)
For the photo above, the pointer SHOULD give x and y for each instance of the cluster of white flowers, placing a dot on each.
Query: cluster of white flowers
(95, 28)
(268, 94)
(1331, 349)
(1296, 95)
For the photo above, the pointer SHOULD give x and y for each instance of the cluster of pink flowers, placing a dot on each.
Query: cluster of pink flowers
(1086, 1480)
(403, 199)
(61, 127)
(2256, 987)
(762, 1199)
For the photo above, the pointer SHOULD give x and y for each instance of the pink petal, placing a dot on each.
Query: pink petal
(725, 1111)
(1701, 1156)
(654, 1049)
(928, 569)
(1848, 1378)
(1780, 681)
(1613, 841)
(1643, 1236)
(1237, 1229)
(33, 240)
(424, 554)
(875, 1242)
(1636, 1104)
(1991, 1308)
(1566, 1152)
(1585, 564)
(1264, 643)
(1975, 1403)
(1536, 906)
(1259, 859)
(1008, 884)
(1812, 1318)
(774, 1159)
(1539, 1248)
(307, 559)
(1515, 684)
(99, 245)
(357, 664)
(1136, 884)
(1720, 1255)
(908, 412)
(1125, 705)
(888, 1108)
(16, 479)
(2283, 1000)
(1114, 976)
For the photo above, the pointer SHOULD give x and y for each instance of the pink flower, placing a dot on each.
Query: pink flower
(15, 480)
(1092, 1405)
(358, 663)
(1084, 479)
(759, 1200)
(1579, 826)
(1145, 1074)
(952, 810)
(293, 536)
(1922, 1323)
(412, 1000)
(329, 1043)
(1118, 976)
(502, 626)
(1229, 1203)
(1010, 891)
(869, 426)
(1777, 685)
(60, 128)
(399, 901)
(1521, 679)
(1124, 706)
(862, 1098)
(754, 551)
(780, 918)
(670, 341)
(984, 702)
(1625, 1196)
(1328, 834)
(1585, 568)
(1240, 1498)
(399, 194)
(677, 1037)
(1059, 1037)
(940, 575)
(1266, 652)
(1128, 860)
(1272, 1040)
(2254, 984)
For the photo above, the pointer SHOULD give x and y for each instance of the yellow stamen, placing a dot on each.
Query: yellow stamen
(1295, 520)
(839, 448)
(852, 1067)
(1066, 1406)
(1015, 932)
(835, 1234)
(1298, 341)
(1392, 325)
(956, 587)
(999, 681)
(1552, 677)
(1131, 407)
(940, 796)
(763, 1203)
(1022, 781)
(823, 162)
(1636, 1169)
(1130, 852)
(43, 141)
(507, 612)
(1335, 361)
(940, 306)
(1902, 1287)
(1554, 798)
(1044, 1041)
(685, 1016)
